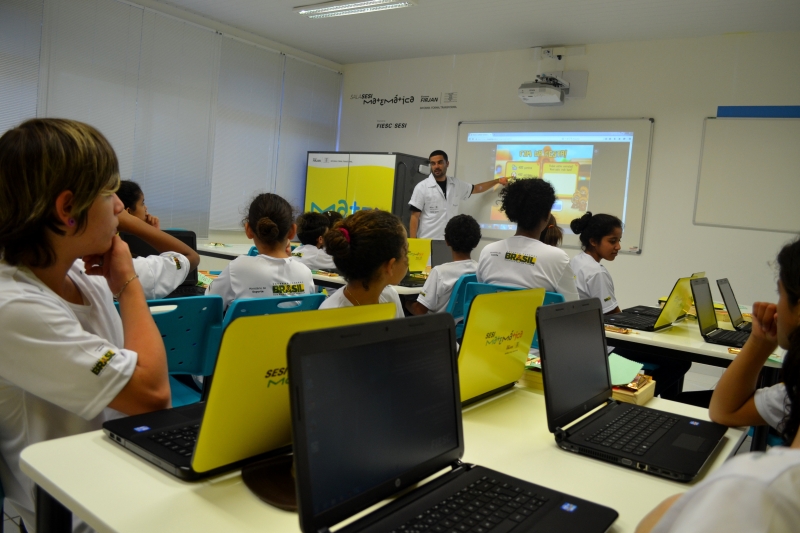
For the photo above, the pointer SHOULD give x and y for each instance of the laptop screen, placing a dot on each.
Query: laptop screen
(374, 412)
(704, 305)
(730, 301)
(574, 359)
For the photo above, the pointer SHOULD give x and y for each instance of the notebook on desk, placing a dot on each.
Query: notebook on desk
(707, 318)
(246, 416)
(376, 410)
(737, 320)
(497, 338)
(419, 252)
(676, 307)
(577, 382)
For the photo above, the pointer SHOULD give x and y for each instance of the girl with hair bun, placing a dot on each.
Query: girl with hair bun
(273, 272)
(752, 491)
(600, 236)
(370, 249)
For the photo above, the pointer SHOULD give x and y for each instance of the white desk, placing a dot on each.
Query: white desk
(229, 251)
(336, 282)
(113, 490)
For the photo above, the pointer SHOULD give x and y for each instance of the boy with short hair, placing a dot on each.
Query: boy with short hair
(462, 234)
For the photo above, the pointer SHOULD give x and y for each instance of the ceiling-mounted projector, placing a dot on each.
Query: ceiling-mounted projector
(546, 90)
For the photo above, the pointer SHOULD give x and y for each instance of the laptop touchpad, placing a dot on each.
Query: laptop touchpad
(689, 442)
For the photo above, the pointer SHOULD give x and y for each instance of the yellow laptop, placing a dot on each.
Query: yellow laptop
(497, 339)
(419, 254)
(247, 412)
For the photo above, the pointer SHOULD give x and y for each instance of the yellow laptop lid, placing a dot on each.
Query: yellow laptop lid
(247, 412)
(677, 305)
(419, 251)
(497, 339)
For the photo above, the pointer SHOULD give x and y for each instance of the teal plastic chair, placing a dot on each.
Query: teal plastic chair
(253, 251)
(271, 306)
(191, 329)
(456, 304)
(549, 298)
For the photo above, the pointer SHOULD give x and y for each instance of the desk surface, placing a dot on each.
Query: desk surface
(229, 250)
(339, 281)
(685, 336)
(114, 490)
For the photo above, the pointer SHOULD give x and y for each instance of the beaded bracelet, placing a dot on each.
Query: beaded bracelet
(116, 296)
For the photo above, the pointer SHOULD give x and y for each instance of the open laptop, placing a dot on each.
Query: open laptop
(419, 252)
(676, 307)
(246, 416)
(737, 320)
(376, 410)
(140, 248)
(440, 253)
(496, 342)
(707, 318)
(577, 381)
(655, 311)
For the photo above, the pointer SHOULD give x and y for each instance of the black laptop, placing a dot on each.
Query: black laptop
(576, 379)
(440, 253)
(707, 318)
(653, 319)
(140, 248)
(737, 320)
(375, 410)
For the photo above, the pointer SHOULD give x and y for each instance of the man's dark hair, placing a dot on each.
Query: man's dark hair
(528, 202)
(312, 226)
(462, 233)
(439, 152)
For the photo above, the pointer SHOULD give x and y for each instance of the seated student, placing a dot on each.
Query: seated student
(753, 492)
(159, 274)
(68, 360)
(462, 234)
(333, 217)
(600, 236)
(552, 235)
(370, 249)
(310, 229)
(273, 272)
(523, 260)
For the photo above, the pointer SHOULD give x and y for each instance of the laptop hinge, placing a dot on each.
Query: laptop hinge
(323, 530)
(455, 465)
(560, 434)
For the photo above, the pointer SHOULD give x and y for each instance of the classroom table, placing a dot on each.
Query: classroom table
(114, 490)
(228, 251)
(336, 282)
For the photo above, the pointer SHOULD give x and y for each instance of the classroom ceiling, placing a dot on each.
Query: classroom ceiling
(443, 27)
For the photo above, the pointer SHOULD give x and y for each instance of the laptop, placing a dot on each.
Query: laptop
(496, 342)
(140, 248)
(737, 320)
(676, 307)
(376, 410)
(707, 318)
(246, 415)
(419, 252)
(655, 311)
(440, 253)
(577, 381)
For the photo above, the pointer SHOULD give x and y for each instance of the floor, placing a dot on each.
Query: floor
(10, 521)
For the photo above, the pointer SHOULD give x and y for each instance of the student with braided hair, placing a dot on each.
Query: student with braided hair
(370, 249)
(273, 272)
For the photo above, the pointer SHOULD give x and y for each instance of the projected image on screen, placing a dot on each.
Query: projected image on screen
(594, 165)
(568, 168)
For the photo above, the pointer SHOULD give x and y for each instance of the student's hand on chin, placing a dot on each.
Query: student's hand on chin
(153, 221)
(765, 322)
(115, 265)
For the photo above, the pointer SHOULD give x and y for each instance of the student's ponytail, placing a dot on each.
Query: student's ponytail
(270, 218)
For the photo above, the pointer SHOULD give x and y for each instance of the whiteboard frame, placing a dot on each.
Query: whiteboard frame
(628, 251)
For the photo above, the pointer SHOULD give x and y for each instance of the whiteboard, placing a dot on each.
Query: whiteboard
(600, 166)
(749, 175)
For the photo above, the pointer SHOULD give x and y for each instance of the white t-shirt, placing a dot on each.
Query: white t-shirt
(161, 274)
(61, 364)
(751, 493)
(436, 292)
(436, 210)
(313, 257)
(772, 404)
(593, 281)
(524, 262)
(388, 295)
(262, 276)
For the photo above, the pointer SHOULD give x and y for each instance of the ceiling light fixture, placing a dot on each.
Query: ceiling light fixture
(341, 8)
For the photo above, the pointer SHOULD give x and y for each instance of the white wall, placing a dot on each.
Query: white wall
(677, 82)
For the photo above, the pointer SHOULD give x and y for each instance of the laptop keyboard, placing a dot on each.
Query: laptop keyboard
(634, 431)
(631, 321)
(725, 335)
(646, 311)
(484, 506)
(180, 440)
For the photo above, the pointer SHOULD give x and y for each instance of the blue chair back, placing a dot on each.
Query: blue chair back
(456, 304)
(549, 298)
(271, 306)
(472, 290)
(253, 251)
